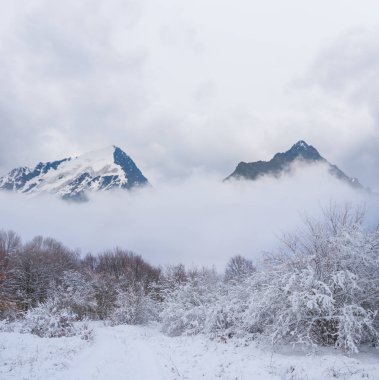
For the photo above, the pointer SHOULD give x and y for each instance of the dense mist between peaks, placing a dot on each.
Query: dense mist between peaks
(197, 221)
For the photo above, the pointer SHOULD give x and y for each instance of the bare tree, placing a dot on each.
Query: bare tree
(126, 266)
(10, 243)
(238, 268)
(35, 268)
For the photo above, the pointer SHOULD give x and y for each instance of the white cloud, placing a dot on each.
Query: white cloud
(183, 86)
(341, 93)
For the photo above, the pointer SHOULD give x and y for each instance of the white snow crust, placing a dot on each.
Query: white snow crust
(138, 352)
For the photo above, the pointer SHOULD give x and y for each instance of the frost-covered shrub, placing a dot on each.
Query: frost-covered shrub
(225, 316)
(7, 325)
(76, 293)
(85, 332)
(186, 308)
(134, 307)
(323, 289)
(355, 325)
(47, 320)
(298, 308)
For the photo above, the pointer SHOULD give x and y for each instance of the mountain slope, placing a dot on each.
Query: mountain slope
(70, 178)
(281, 163)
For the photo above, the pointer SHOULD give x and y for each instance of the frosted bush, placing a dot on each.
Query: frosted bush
(355, 325)
(7, 326)
(323, 289)
(48, 320)
(77, 294)
(134, 307)
(225, 316)
(186, 308)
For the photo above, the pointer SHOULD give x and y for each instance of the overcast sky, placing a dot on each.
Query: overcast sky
(190, 86)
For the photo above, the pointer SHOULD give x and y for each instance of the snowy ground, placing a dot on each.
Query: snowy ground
(134, 352)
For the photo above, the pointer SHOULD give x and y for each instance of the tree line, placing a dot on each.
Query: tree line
(321, 287)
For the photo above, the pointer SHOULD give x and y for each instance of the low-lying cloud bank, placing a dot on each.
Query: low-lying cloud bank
(199, 221)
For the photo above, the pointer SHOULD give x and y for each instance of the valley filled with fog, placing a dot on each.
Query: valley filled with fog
(196, 221)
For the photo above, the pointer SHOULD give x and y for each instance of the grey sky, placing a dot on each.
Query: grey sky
(189, 86)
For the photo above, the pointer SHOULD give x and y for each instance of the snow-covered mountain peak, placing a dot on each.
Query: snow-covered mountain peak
(99, 170)
(300, 145)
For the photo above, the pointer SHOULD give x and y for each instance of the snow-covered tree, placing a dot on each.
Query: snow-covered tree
(185, 308)
(134, 306)
(35, 267)
(10, 243)
(105, 292)
(238, 268)
(322, 288)
(76, 293)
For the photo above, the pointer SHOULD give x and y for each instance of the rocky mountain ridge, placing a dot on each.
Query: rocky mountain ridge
(72, 178)
(282, 162)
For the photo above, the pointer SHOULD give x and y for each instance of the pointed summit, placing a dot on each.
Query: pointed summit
(300, 150)
(71, 178)
(132, 173)
(281, 163)
(300, 145)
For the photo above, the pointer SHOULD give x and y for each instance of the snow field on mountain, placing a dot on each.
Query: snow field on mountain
(143, 352)
(97, 163)
(99, 170)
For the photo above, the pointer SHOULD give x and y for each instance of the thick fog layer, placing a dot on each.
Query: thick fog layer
(200, 221)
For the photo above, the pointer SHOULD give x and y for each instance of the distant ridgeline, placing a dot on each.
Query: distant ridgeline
(281, 163)
(71, 178)
(111, 168)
